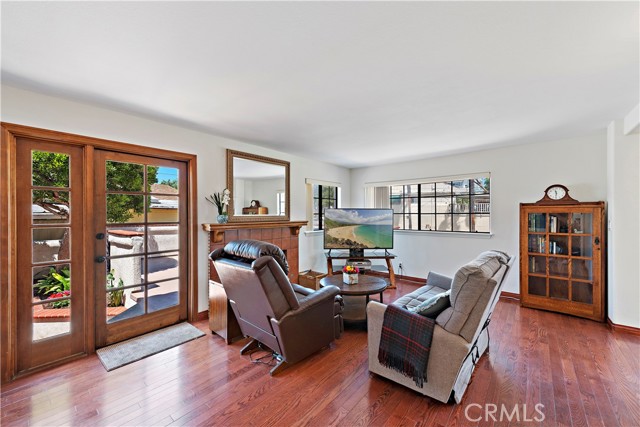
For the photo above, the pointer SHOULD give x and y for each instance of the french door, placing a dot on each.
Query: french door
(96, 246)
(140, 244)
(51, 288)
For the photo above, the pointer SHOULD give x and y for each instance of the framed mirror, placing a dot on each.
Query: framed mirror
(259, 188)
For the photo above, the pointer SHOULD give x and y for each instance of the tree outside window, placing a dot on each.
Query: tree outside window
(52, 170)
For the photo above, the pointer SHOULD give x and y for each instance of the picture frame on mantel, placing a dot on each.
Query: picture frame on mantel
(251, 177)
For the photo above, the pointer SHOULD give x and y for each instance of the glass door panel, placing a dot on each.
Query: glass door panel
(124, 208)
(145, 220)
(537, 286)
(537, 222)
(50, 207)
(582, 292)
(162, 208)
(163, 237)
(163, 294)
(558, 245)
(558, 266)
(559, 223)
(581, 246)
(582, 223)
(537, 264)
(49, 203)
(559, 288)
(537, 243)
(581, 269)
(51, 301)
(124, 176)
(50, 244)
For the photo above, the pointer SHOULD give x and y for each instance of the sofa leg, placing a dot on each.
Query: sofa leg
(280, 366)
(253, 344)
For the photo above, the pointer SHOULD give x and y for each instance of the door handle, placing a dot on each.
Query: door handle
(100, 236)
(597, 241)
(100, 259)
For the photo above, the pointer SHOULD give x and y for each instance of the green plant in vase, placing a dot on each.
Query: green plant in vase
(221, 201)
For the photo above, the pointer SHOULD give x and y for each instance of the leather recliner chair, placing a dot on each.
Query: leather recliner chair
(291, 320)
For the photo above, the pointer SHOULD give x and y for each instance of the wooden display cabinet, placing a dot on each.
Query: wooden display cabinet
(562, 256)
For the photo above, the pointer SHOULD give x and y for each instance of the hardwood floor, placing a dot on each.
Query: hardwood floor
(581, 372)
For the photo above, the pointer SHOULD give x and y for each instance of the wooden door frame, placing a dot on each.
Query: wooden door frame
(8, 228)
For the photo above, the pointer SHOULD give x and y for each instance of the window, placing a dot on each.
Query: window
(460, 205)
(324, 196)
(280, 202)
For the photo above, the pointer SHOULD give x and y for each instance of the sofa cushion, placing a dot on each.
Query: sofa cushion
(433, 306)
(436, 284)
(417, 297)
(471, 289)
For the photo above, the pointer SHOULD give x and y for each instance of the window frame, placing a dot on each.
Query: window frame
(319, 213)
(280, 203)
(419, 193)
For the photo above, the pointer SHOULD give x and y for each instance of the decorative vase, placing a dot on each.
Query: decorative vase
(350, 279)
(223, 218)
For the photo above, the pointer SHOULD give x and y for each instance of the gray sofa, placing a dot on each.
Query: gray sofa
(461, 332)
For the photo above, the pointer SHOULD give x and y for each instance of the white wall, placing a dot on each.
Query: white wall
(264, 191)
(518, 174)
(623, 240)
(38, 110)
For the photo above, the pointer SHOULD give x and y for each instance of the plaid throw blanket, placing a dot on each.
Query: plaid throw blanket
(405, 343)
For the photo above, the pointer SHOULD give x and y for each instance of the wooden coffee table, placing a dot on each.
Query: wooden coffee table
(355, 307)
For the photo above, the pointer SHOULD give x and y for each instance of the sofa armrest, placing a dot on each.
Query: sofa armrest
(324, 295)
(308, 328)
(301, 290)
(439, 280)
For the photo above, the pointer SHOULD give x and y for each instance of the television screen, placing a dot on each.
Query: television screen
(358, 228)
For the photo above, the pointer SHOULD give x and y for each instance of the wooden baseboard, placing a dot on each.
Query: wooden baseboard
(203, 315)
(419, 280)
(509, 295)
(623, 328)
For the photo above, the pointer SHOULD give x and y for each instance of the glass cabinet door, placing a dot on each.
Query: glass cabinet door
(560, 251)
(537, 239)
(582, 240)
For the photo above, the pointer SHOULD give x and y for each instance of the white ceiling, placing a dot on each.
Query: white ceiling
(352, 83)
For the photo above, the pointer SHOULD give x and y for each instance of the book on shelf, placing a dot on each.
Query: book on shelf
(537, 244)
(553, 224)
(536, 222)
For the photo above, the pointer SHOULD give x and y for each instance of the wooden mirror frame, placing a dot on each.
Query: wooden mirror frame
(232, 154)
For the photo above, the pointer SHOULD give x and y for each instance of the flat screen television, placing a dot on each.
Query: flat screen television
(358, 229)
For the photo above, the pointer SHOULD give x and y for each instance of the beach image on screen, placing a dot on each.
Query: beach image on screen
(358, 228)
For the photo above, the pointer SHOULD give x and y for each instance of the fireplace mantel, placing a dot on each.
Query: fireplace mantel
(218, 230)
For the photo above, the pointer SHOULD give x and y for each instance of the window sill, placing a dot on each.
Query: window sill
(313, 232)
(447, 234)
